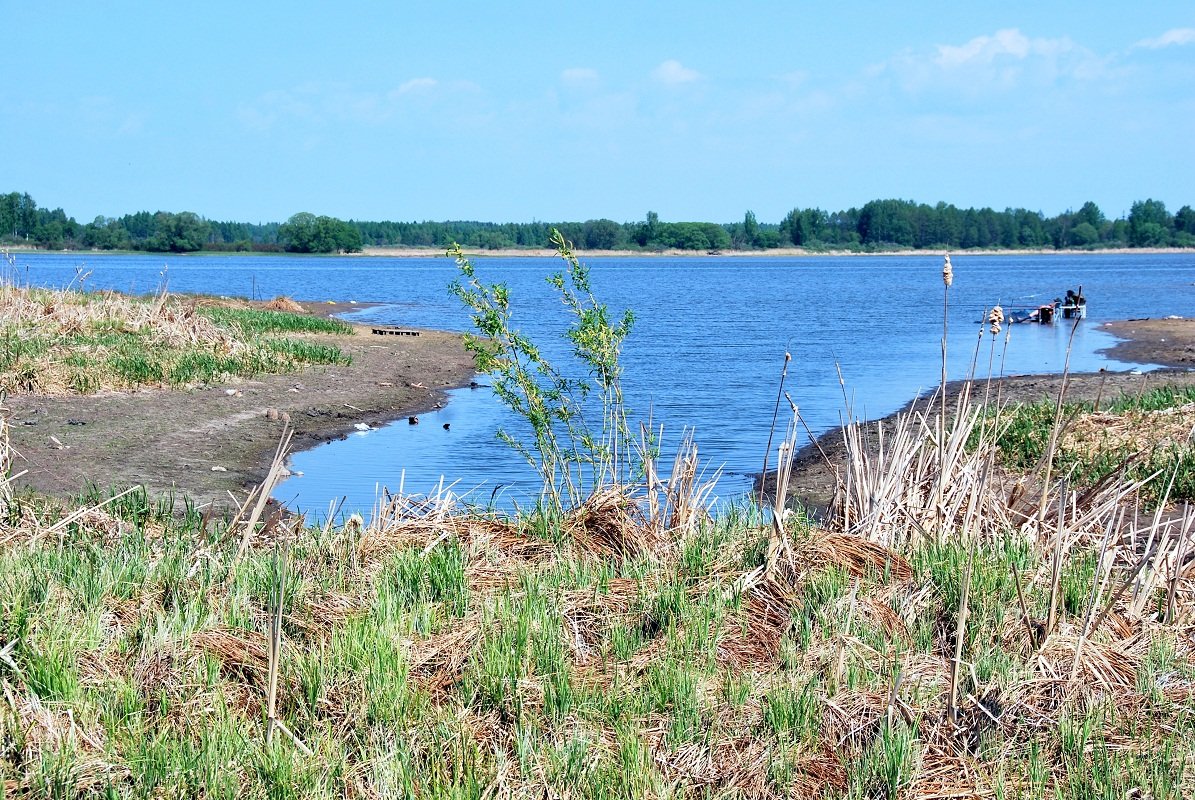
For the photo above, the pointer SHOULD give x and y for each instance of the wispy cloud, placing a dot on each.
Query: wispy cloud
(297, 103)
(323, 103)
(986, 49)
(580, 77)
(107, 116)
(1172, 37)
(417, 85)
(1001, 61)
(674, 73)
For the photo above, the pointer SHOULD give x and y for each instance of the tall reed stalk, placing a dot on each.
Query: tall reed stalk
(767, 451)
(1056, 428)
(947, 280)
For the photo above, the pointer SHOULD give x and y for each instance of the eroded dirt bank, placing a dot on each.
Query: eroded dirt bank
(207, 441)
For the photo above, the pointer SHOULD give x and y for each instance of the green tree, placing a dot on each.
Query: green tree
(1149, 223)
(140, 226)
(887, 222)
(299, 233)
(572, 458)
(306, 233)
(602, 234)
(184, 232)
(716, 235)
(1091, 214)
(683, 236)
(8, 214)
(1184, 220)
(18, 215)
(1184, 227)
(1084, 235)
(50, 235)
(647, 234)
(791, 228)
(767, 238)
(750, 229)
(26, 216)
(105, 234)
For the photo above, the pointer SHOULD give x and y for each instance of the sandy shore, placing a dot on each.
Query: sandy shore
(399, 251)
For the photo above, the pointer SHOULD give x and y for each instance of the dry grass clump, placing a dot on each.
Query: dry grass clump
(996, 628)
(71, 342)
(1130, 431)
(283, 303)
(164, 320)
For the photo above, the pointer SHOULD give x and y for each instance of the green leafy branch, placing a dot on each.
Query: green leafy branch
(569, 455)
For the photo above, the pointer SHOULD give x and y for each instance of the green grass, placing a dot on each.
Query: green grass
(257, 322)
(70, 342)
(1026, 432)
(445, 671)
(1157, 399)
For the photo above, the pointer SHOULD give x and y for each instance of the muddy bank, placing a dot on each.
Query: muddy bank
(212, 439)
(1167, 342)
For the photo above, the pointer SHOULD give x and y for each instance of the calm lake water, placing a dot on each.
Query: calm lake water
(705, 353)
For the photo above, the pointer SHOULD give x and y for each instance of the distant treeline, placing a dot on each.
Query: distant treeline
(878, 226)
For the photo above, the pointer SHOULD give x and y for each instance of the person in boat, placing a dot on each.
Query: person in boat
(1071, 298)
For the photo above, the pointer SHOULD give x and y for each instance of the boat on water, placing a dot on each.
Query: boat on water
(1074, 311)
(1073, 307)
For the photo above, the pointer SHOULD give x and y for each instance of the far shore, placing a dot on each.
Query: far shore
(779, 252)
(545, 252)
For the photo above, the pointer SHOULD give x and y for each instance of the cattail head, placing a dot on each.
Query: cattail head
(997, 319)
(947, 272)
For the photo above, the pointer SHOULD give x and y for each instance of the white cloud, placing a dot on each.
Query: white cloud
(1005, 60)
(1174, 36)
(276, 104)
(984, 49)
(673, 73)
(579, 77)
(417, 85)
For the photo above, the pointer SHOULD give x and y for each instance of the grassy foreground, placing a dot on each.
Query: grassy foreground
(150, 651)
(73, 342)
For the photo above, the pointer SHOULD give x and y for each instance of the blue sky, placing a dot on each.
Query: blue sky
(518, 111)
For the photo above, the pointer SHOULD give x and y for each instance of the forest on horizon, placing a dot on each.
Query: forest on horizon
(877, 226)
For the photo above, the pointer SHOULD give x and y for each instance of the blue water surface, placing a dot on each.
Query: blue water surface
(706, 351)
